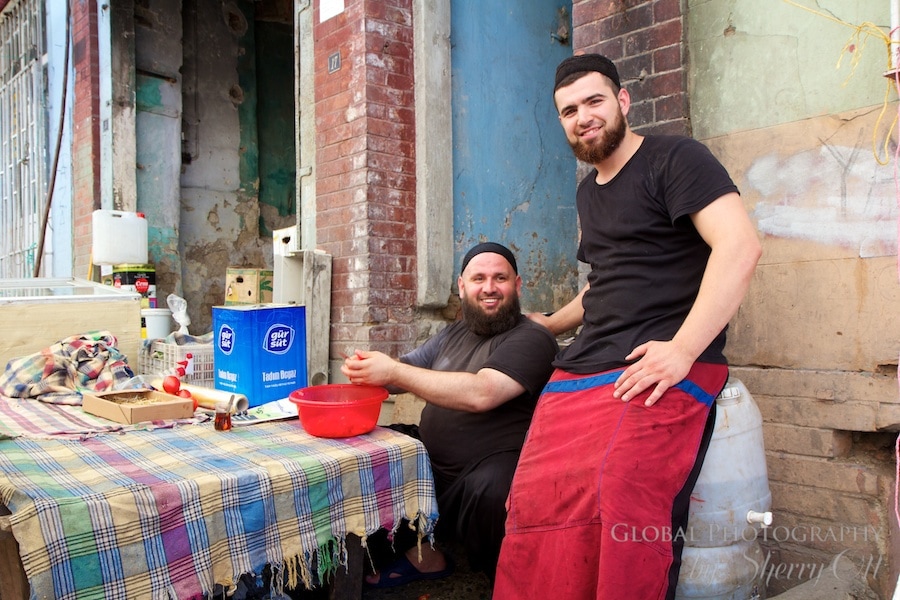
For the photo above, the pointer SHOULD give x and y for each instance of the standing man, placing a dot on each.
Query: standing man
(604, 480)
(480, 377)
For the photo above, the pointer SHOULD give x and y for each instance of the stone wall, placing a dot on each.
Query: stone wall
(815, 341)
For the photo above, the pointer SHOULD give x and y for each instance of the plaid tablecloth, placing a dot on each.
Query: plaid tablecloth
(170, 513)
(34, 419)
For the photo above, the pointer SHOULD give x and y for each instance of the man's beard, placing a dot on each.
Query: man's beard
(599, 149)
(481, 323)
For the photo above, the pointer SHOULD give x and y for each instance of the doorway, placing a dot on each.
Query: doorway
(513, 171)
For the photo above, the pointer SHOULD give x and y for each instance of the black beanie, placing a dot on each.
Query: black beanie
(586, 62)
(493, 248)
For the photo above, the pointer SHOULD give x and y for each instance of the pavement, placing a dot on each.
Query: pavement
(842, 582)
(463, 584)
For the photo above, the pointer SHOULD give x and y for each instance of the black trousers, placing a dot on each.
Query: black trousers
(472, 508)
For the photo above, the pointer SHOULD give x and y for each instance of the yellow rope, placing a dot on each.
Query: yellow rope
(856, 45)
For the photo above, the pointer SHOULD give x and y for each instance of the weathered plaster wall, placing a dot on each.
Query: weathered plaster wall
(220, 212)
(797, 118)
(158, 60)
(122, 113)
(277, 150)
(826, 290)
(434, 156)
(758, 64)
(210, 221)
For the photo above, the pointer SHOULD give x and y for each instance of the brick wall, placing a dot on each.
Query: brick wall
(365, 163)
(645, 40)
(85, 130)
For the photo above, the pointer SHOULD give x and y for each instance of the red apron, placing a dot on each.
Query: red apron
(602, 488)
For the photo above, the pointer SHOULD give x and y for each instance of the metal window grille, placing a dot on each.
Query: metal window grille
(23, 163)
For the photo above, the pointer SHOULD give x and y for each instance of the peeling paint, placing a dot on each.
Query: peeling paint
(834, 195)
(160, 241)
(212, 217)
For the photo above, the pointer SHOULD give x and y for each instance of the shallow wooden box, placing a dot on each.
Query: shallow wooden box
(149, 405)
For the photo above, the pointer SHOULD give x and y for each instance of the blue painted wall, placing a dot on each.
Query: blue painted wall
(514, 174)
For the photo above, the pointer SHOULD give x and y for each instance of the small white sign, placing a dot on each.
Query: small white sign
(330, 8)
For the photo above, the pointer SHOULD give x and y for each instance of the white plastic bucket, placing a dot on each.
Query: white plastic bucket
(157, 323)
(119, 237)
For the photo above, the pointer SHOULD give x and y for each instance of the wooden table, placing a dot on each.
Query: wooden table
(13, 583)
(145, 512)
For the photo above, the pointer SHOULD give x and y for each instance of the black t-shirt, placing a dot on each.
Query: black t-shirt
(646, 257)
(454, 439)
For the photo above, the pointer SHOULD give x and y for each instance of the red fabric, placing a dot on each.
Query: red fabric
(591, 504)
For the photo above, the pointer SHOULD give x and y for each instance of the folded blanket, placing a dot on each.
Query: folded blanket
(58, 373)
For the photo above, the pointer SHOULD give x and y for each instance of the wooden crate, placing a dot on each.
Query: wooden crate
(248, 286)
(36, 313)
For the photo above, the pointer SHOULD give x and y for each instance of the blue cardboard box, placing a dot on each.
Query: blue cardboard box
(260, 350)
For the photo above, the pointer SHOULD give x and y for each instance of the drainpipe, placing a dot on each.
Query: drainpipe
(305, 104)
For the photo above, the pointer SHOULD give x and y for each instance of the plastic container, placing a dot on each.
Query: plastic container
(163, 356)
(722, 572)
(732, 482)
(734, 479)
(119, 237)
(157, 323)
(339, 410)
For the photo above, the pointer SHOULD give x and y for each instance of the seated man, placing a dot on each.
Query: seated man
(480, 378)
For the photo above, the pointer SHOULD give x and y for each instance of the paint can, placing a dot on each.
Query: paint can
(135, 278)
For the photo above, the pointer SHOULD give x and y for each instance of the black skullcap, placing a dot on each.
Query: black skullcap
(586, 62)
(493, 248)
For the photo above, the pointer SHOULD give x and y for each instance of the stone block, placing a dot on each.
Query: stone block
(822, 414)
(822, 503)
(852, 478)
(808, 441)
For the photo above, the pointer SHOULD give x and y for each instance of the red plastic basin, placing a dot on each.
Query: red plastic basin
(338, 410)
